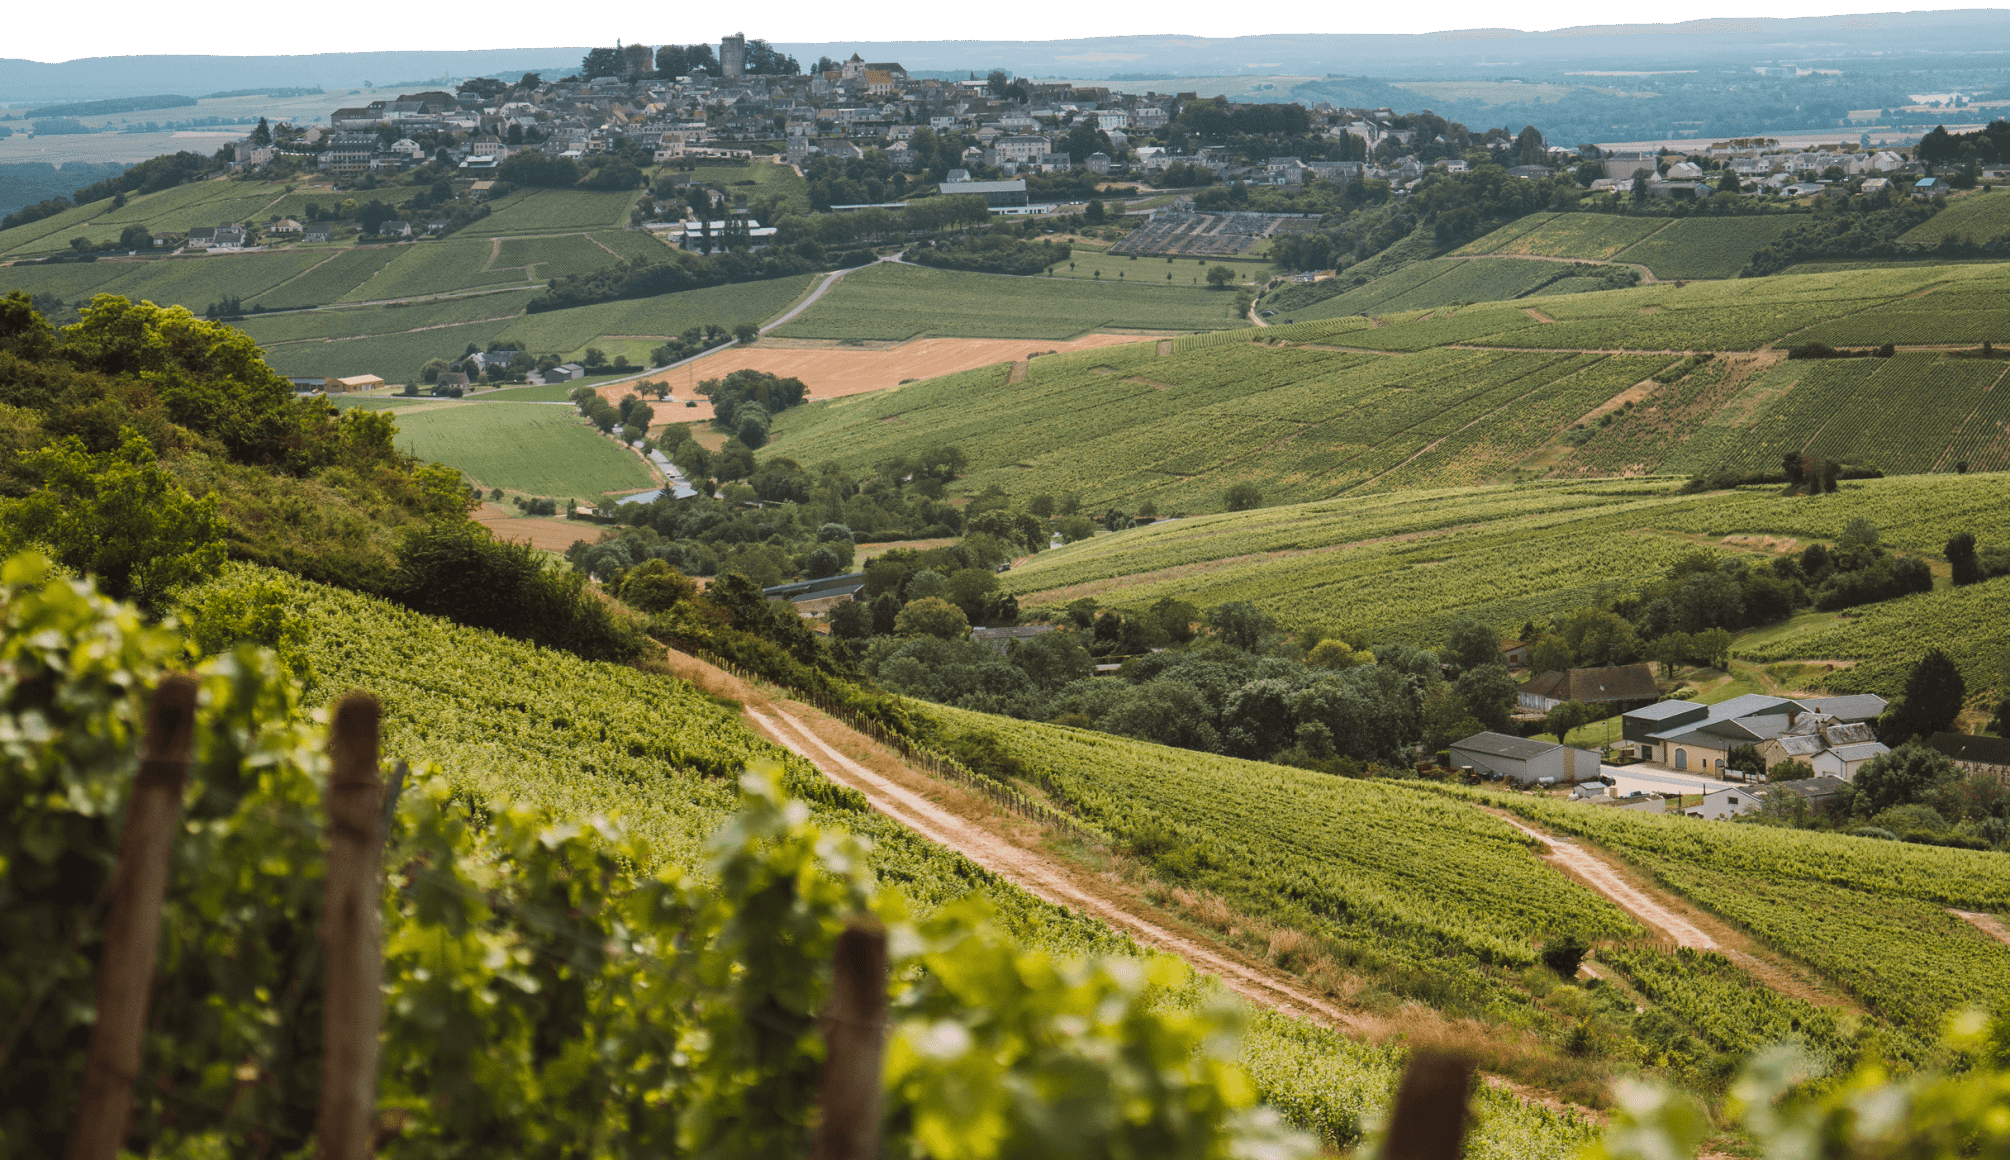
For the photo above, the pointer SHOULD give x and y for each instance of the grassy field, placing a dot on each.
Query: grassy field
(335, 275)
(1707, 247)
(555, 256)
(438, 266)
(1441, 282)
(1978, 216)
(1701, 247)
(758, 181)
(396, 318)
(648, 321)
(194, 282)
(1570, 235)
(538, 448)
(1870, 915)
(1280, 408)
(1186, 272)
(547, 211)
(200, 203)
(894, 302)
(396, 340)
(1401, 565)
(396, 357)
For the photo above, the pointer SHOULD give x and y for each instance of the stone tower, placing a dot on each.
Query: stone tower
(733, 56)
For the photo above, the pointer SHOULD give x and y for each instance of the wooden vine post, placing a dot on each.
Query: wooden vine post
(351, 941)
(1429, 1121)
(133, 926)
(854, 1037)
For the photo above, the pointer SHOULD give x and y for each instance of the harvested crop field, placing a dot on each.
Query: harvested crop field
(832, 371)
(544, 532)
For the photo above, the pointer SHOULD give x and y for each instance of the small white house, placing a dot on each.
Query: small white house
(1725, 803)
(1842, 761)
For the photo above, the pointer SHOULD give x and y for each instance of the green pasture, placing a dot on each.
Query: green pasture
(1979, 216)
(758, 181)
(537, 448)
(893, 302)
(545, 211)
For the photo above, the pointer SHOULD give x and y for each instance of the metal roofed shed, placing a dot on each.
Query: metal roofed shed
(996, 194)
(1000, 639)
(1523, 761)
(806, 590)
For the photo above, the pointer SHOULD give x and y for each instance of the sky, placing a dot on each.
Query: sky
(1303, 55)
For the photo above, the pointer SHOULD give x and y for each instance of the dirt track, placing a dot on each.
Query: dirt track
(1988, 924)
(818, 739)
(1600, 876)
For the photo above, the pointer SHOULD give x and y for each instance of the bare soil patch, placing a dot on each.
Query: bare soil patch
(552, 535)
(831, 371)
(1988, 924)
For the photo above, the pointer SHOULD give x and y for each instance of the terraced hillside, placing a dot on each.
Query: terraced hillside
(1659, 378)
(1403, 565)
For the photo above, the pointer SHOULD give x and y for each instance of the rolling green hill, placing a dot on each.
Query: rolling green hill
(1403, 565)
(510, 723)
(1586, 384)
(895, 301)
(1977, 217)
(1672, 248)
(1335, 858)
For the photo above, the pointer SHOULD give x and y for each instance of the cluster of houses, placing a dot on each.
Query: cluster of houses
(1676, 755)
(858, 107)
(1762, 166)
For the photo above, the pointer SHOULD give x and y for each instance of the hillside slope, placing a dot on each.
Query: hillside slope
(507, 722)
(1402, 566)
(1583, 384)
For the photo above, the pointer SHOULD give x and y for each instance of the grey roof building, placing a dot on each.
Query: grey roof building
(1000, 639)
(1521, 760)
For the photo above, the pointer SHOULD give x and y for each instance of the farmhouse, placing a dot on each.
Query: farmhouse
(1522, 760)
(1726, 803)
(1601, 686)
(1684, 735)
(352, 383)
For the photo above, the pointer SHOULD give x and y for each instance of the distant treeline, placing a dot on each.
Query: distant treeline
(681, 272)
(114, 105)
(29, 182)
(274, 93)
(155, 173)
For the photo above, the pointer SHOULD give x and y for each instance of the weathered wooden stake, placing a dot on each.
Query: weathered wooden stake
(854, 1035)
(350, 938)
(133, 927)
(1429, 1122)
